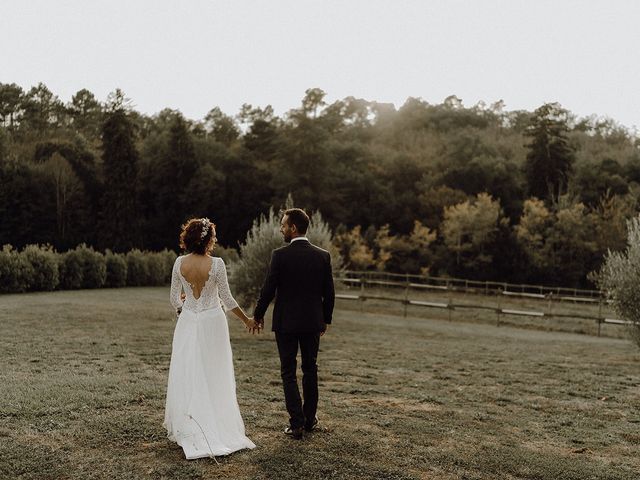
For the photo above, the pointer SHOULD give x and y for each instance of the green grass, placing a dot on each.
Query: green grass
(84, 374)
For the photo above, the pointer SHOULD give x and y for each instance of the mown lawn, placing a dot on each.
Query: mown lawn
(83, 380)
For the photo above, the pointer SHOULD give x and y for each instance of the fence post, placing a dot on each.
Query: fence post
(449, 300)
(599, 314)
(362, 280)
(499, 307)
(406, 294)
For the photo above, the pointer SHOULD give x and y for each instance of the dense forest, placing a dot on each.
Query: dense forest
(479, 192)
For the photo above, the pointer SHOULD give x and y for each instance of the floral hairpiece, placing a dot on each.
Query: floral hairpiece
(206, 224)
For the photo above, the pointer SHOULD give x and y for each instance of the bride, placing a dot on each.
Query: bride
(202, 413)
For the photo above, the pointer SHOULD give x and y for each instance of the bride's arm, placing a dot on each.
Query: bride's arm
(248, 322)
(176, 287)
(227, 299)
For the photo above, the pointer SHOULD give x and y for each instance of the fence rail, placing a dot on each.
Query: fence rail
(575, 295)
(394, 282)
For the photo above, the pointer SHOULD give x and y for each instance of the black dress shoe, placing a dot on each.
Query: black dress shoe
(295, 433)
(313, 426)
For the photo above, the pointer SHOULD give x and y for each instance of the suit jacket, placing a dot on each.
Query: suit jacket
(301, 281)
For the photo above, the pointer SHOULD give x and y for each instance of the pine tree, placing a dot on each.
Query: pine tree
(179, 168)
(550, 158)
(119, 221)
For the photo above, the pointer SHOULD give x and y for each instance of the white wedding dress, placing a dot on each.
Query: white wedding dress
(202, 413)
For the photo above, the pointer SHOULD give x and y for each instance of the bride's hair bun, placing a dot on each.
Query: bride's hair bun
(196, 235)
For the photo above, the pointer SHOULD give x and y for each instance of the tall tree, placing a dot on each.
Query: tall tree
(120, 206)
(263, 138)
(312, 102)
(86, 112)
(221, 126)
(168, 198)
(78, 188)
(4, 145)
(550, 157)
(26, 203)
(10, 104)
(41, 109)
(67, 186)
(469, 230)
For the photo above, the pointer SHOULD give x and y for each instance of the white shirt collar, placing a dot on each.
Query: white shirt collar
(299, 238)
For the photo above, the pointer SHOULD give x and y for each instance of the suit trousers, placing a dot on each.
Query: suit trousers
(299, 415)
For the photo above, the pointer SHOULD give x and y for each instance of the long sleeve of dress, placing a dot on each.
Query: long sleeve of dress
(176, 285)
(224, 292)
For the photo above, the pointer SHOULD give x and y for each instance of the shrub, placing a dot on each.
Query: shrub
(620, 277)
(41, 268)
(94, 267)
(137, 269)
(116, 264)
(82, 267)
(44, 261)
(16, 272)
(229, 255)
(354, 249)
(248, 273)
(71, 270)
(320, 235)
(155, 268)
(168, 258)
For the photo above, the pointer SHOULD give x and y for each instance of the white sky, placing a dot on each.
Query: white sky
(193, 55)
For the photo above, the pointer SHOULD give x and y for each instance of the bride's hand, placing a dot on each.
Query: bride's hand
(251, 325)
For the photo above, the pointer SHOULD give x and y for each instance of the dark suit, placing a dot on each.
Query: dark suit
(301, 281)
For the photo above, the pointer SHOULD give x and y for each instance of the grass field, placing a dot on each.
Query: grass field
(84, 374)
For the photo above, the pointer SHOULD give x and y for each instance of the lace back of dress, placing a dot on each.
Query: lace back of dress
(207, 298)
(214, 291)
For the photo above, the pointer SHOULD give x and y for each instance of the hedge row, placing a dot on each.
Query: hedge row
(40, 268)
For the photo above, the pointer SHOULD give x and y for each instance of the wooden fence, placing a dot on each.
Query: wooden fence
(398, 288)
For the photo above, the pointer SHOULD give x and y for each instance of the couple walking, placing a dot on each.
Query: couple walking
(202, 413)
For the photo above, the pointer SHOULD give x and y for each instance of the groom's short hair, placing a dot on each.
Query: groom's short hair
(298, 217)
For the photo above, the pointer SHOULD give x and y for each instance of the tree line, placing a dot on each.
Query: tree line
(480, 192)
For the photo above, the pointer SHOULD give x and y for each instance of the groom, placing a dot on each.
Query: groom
(300, 278)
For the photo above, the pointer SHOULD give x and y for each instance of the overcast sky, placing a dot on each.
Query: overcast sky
(193, 55)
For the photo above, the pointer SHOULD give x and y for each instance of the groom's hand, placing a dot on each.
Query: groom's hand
(260, 322)
(326, 327)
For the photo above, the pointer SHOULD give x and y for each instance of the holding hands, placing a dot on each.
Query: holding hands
(252, 326)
